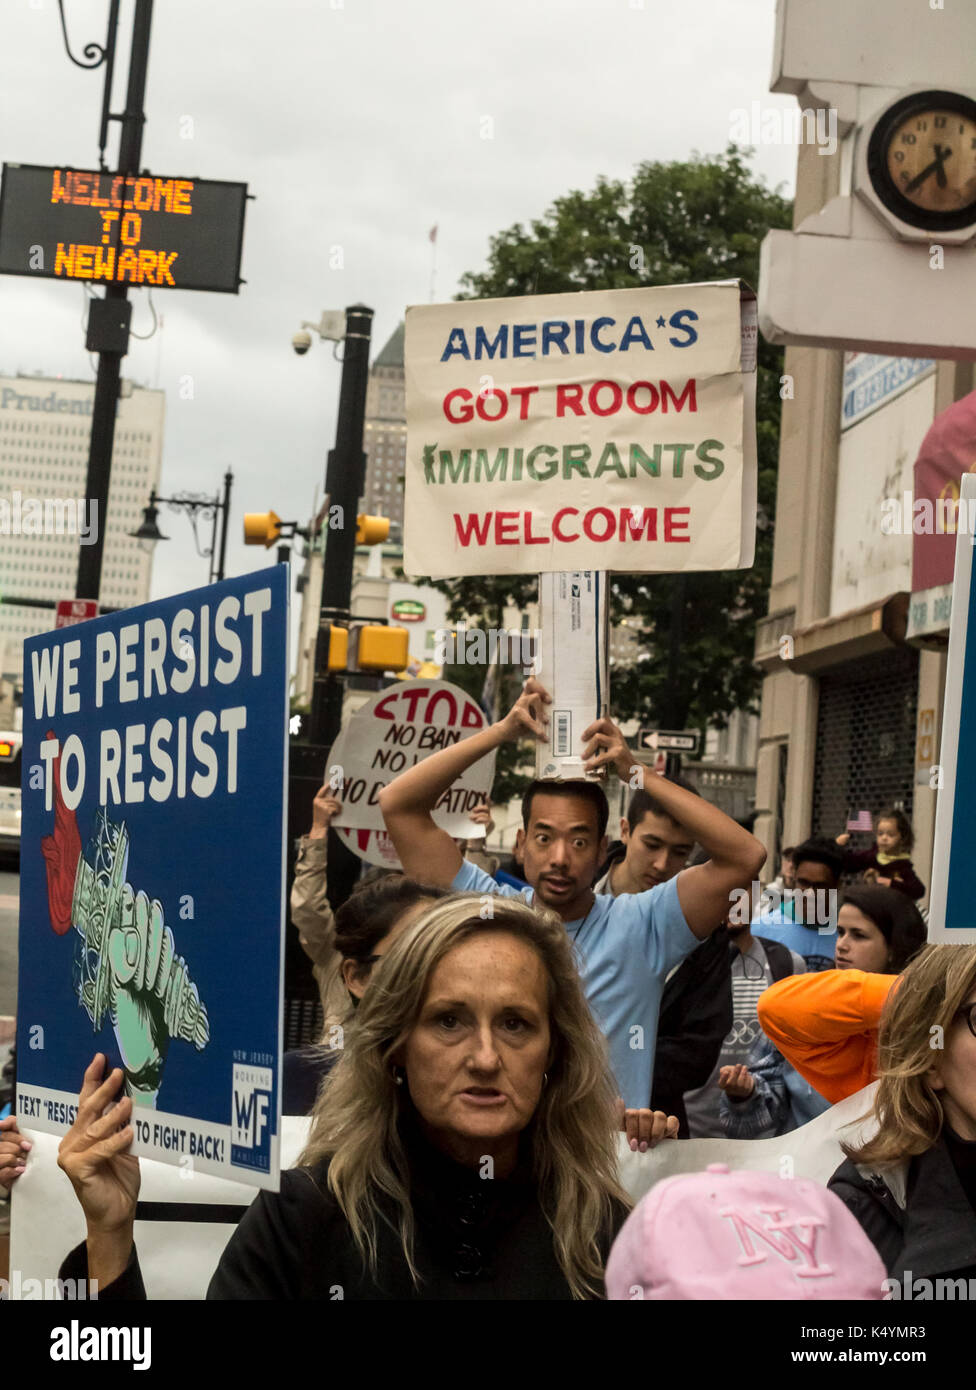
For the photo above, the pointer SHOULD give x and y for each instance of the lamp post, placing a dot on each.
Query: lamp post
(345, 472)
(109, 317)
(206, 508)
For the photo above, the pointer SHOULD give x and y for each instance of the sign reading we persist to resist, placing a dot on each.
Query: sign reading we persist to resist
(608, 430)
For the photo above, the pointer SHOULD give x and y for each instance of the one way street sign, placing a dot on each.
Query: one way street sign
(669, 741)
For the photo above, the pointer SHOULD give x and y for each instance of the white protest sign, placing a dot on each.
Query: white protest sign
(573, 666)
(395, 729)
(373, 846)
(610, 430)
(813, 1151)
(178, 1250)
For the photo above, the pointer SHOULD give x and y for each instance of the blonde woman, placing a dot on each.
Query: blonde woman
(913, 1186)
(463, 1148)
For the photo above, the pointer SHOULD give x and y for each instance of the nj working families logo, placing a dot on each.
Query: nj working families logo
(251, 1119)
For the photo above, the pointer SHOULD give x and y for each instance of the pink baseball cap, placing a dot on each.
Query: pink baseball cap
(723, 1235)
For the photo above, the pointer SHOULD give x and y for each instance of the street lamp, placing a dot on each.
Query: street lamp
(196, 506)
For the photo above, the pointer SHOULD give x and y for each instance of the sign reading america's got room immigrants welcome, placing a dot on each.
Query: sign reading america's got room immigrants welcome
(612, 430)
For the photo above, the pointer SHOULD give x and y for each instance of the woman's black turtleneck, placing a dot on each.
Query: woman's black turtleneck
(962, 1152)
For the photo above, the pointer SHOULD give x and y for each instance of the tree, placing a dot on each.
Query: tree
(672, 223)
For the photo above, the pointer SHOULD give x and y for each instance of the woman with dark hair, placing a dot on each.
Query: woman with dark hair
(877, 929)
(912, 1185)
(366, 926)
(826, 1024)
(462, 1149)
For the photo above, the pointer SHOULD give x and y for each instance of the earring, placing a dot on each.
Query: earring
(545, 1078)
(398, 1075)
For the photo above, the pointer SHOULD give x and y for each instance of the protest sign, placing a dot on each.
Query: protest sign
(373, 846)
(573, 667)
(152, 871)
(181, 1226)
(395, 729)
(812, 1151)
(611, 430)
(376, 847)
(952, 900)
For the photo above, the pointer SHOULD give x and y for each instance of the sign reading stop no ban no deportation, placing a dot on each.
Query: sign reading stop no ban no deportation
(612, 430)
(394, 730)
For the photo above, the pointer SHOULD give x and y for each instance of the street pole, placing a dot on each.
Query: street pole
(344, 483)
(109, 319)
(673, 765)
(224, 510)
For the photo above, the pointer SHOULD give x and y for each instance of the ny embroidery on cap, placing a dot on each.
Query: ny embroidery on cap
(782, 1236)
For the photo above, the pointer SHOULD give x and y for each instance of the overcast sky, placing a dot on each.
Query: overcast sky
(357, 124)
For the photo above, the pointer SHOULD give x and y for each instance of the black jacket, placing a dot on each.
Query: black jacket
(695, 1017)
(475, 1239)
(934, 1235)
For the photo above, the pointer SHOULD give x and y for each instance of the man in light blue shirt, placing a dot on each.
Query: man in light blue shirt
(806, 919)
(626, 945)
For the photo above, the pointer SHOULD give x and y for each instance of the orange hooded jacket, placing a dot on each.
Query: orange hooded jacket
(826, 1026)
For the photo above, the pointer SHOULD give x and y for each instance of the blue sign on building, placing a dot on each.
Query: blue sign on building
(152, 871)
(871, 381)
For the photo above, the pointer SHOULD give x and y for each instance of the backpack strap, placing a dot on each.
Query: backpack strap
(894, 1178)
(779, 958)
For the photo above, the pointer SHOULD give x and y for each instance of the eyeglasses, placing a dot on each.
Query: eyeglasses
(968, 1012)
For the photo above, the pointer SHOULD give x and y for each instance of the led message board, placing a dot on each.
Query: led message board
(78, 224)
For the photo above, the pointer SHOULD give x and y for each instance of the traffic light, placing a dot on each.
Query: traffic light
(261, 528)
(376, 647)
(371, 530)
(368, 647)
(338, 647)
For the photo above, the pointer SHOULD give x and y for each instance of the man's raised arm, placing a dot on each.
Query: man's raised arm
(735, 856)
(426, 852)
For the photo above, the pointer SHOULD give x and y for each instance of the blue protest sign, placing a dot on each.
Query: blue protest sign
(952, 901)
(152, 871)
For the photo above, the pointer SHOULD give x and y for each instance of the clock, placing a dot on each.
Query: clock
(921, 160)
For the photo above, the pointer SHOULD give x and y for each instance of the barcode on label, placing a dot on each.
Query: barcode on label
(561, 730)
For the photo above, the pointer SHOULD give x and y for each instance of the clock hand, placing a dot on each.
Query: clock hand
(940, 174)
(935, 167)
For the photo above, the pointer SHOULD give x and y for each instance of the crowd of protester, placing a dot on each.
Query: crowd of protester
(496, 1032)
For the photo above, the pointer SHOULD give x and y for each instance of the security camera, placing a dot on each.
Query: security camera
(301, 342)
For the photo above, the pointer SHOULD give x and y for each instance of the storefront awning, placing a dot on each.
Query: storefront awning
(848, 636)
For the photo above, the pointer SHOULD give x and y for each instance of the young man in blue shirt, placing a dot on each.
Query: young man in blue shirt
(805, 919)
(626, 945)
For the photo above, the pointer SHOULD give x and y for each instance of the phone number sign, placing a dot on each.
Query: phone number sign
(78, 224)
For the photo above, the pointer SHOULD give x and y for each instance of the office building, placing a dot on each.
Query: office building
(45, 424)
(385, 435)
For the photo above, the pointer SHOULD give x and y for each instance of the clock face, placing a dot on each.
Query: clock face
(922, 160)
